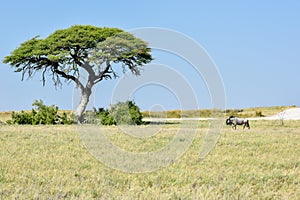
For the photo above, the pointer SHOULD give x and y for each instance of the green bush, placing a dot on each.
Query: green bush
(135, 113)
(126, 113)
(67, 119)
(100, 116)
(20, 118)
(121, 113)
(40, 114)
(43, 114)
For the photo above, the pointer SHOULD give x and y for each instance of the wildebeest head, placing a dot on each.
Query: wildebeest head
(229, 121)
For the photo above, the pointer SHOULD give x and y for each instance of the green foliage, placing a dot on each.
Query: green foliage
(100, 116)
(67, 119)
(61, 53)
(40, 114)
(43, 114)
(135, 113)
(91, 48)
(126, 113)
(122, 48)
(21, 118)
(121, 113)
(106, 118)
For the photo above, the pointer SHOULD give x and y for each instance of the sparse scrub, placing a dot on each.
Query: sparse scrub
(40, 114)
(258, 113)
(206, 113)
(173, 114)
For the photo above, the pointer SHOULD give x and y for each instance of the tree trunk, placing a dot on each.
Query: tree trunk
(84, 100)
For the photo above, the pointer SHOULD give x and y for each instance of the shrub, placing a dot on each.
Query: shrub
(121, 113)
(65, 119)
(101, 116)
(20, 118)
(135, 113)
(258, 113)
(126, 113)
(40, 114)
(43, 114)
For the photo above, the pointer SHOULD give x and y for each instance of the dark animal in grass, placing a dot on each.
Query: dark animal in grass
(232, 120)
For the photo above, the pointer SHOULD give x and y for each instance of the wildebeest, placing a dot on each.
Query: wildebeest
(232, 120)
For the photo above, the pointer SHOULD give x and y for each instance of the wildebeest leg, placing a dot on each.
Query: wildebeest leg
(246, 124)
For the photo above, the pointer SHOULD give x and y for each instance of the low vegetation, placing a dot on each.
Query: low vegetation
(206, 113)
(50, 162)
(40, 114)
(122, 113)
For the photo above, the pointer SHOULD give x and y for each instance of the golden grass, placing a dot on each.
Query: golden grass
(247, 112)
(50, 162)
(4, 116)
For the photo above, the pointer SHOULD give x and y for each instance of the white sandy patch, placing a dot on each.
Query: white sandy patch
(289, 114)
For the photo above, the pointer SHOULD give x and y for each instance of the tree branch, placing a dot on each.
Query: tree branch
(43, 76)
(105, 74)
(68, 77)
(75, 56)
(89, 69)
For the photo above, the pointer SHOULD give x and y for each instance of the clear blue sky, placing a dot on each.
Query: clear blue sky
(255, 45)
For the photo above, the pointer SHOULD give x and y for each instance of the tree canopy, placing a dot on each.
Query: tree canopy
(93, 49)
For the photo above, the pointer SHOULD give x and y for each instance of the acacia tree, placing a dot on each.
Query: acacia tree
(96, 50)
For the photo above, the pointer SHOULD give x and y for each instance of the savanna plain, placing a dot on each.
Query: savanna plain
(50, 162)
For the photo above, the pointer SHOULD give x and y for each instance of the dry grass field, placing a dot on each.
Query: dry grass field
(50, 162)
(247, 112)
